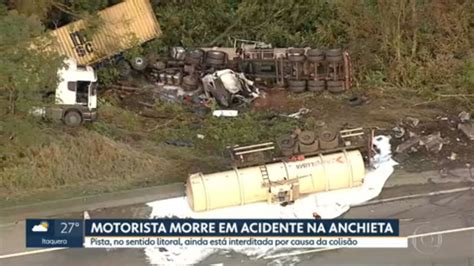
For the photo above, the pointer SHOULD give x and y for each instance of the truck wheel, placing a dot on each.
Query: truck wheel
(287, 145)
(307, 137)
(336, 86)
(214, 61)
(124, 68)
(296, 58)
(295, 51)
(138, 63)
(334, 52)
(334, 59)
(190, 83)
(194, 57)
(72, 118)
(315, 58)
(316, 85)
(315, 55)
(315, 52)
(328, 140)
(215, 54)
(296, 85)
(192, 61)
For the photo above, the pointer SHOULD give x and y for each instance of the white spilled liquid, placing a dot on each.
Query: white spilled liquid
(328, 205)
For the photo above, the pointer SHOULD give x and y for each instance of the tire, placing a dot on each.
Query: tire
(334, 52)
(354, 101)
(139, 63)
(307, 137)
(315, 58)
(307, 148)
(316, 89)
(316, 85)
(72, 118)
(336, 90)
(315, 52)
(296, 58)
(328, 140)
(124, 68)
(216, 55)
(295, 51)
(297, 89)
(194, 57)
(196, 53)
(336, 86)
(334, 59)
(335, 83)
(192, 61)
(287, 145)
(296, 85)
(214, 62)
(286, 142)
(190, 83)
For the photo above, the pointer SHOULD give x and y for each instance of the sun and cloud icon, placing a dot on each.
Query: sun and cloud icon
(41, 227)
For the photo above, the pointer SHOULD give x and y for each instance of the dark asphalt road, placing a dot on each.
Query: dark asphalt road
(417, 216)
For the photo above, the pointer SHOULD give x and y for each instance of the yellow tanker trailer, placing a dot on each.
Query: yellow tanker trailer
(277, 182)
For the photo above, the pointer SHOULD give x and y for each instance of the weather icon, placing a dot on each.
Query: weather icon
(42, 227)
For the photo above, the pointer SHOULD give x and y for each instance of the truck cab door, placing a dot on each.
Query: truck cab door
(92, 96)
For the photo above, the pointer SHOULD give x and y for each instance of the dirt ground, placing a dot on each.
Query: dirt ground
(384, 114)
(381, 112)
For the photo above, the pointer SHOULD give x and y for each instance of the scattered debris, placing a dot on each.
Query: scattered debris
(398, 132)
(453, 156)
(408, 144)
(432, 142)
(357, 100)
(438, 143)
(149, 105)
(225, 113)
(180, 143)
(467, 129)
(464, 116)
(299, 114)
(413, 121)
(229, 88)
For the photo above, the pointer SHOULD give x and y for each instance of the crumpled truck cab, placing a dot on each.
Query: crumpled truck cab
(226, 86)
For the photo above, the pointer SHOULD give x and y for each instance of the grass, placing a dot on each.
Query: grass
(73, 160)
(48, 160)
(220, 132)
(125, 150)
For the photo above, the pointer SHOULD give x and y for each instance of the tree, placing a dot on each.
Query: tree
(28, 64)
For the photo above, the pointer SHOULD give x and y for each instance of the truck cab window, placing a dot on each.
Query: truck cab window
(72, 86)
(82, 91)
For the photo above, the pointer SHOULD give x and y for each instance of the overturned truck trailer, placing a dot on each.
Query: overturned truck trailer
(278, 182)
(119, 27)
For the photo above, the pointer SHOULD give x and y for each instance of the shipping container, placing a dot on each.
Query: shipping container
(122, 26)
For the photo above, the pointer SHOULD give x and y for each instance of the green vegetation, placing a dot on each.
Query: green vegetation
(245, 129)
(26, 67)
(421, 47)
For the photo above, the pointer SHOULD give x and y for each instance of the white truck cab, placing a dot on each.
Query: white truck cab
(76, 95)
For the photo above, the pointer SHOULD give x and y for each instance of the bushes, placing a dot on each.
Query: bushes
(419, 45)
